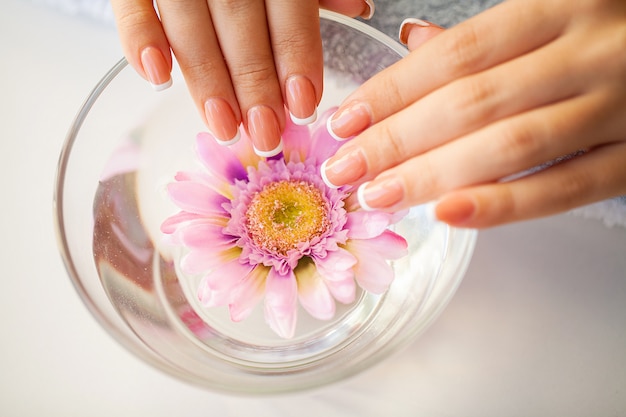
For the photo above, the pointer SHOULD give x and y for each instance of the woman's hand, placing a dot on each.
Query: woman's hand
(243, 60)
(456, 121)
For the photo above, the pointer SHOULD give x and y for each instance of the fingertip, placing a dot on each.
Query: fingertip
(415, 32)
(456, 209)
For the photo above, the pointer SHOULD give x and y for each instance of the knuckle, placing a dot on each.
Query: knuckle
(253, 73)
(572, 186)
(395, 149)
(473, 98)
(518, 141)
(462, 53)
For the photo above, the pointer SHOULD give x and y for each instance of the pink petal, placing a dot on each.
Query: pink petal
(281, 297)
(210, 297)
(344, 290)
(367, 224)
(389, 245)
(248, 294)
(373, 272)
(313, 294)
(200, 261)
(323, 146)
(201, 234)
(227, 275)
(219, 160)
(297, 141)
(196, 198)
(336, 264)
(172, 223)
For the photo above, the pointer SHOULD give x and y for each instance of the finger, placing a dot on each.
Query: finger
(462, 107)
(192, 38)
(491, 154)
(595, 176)
(416, 32)
(493, 37)
(241, 27)
(352, 8)
(143, 41)
(297, 47)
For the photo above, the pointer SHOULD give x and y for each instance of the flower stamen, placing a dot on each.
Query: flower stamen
(285, 214)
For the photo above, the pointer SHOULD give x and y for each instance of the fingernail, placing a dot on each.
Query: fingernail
(221, 121)
(342, 170)
(301, 100)
(407, 25)
(349, 121)
(156, 68)
(455, 209)
(380, 194)
(368, 10)
(264, 131)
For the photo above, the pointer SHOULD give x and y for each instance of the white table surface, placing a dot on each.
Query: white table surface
(538, 327)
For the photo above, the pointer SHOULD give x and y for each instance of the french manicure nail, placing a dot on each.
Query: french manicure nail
(349, 121)
(264, 131)
(455, 209)
(407, 25)
(301, 100)
(369, 9)
(345, 169)
(221, 121)
(156, 68)
(380, 194)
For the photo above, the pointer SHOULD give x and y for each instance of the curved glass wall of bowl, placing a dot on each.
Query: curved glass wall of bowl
(126, 144)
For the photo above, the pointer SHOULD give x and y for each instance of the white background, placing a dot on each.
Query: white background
(538, 327)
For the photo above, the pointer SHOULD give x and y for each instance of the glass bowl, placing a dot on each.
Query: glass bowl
(126, 143)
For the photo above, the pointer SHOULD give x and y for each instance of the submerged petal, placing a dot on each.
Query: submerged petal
(343, 290)
(373, 273)
(210, 297)
(248, 294)
(199, 261)
(228, 275)
(281, 296)
(313, 293)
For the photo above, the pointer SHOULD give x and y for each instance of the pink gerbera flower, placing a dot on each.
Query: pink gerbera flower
(271, 229)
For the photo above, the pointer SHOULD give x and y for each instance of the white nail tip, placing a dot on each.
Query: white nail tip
(333, 134)
(324, 177)
(372, 9)
(163, 86)
(303, 122)
(270, 153)
(229, 142)
(361, 198)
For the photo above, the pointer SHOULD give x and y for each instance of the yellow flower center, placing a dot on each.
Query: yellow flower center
(286, 213)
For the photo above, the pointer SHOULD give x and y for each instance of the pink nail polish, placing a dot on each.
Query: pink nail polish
(301, 100)
(156, 68)
(349, 121)
(264, 131)
(221, 121)
(380, 194)
(345, 169)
